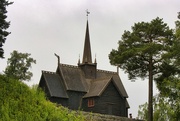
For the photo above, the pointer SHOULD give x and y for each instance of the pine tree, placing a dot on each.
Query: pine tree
(140, 52)
(4, 25)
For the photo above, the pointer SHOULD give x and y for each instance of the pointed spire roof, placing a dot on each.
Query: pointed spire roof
(87, 47)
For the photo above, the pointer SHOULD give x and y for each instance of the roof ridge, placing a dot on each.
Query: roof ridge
(102, 78)
(67, 65)
(112, 72)
(48, 72)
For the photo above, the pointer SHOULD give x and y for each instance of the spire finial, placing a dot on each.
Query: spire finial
(87, 12)
(79, 60)
(95, 61)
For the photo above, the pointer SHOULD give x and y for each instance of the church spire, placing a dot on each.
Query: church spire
(87, 46)
(87, 66)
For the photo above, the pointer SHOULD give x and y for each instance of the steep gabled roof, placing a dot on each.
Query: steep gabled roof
(54, 84)
(127, 104)
(73, 78)
(97, 87)
(116, 78)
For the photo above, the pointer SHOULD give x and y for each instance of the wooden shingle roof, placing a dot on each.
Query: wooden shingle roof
(97, 86)
(54, 84)
(116, 78)
(72, 78)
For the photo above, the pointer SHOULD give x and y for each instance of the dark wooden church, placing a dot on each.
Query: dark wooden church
(85, 87)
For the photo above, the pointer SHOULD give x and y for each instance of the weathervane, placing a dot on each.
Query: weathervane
(87, 12)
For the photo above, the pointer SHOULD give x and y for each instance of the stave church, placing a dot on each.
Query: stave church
(84, 87)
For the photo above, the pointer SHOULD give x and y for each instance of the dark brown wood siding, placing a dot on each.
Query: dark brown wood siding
(75, 99)
(110, 102)
(44, 87)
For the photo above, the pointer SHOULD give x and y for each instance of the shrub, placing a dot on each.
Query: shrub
(22, 103)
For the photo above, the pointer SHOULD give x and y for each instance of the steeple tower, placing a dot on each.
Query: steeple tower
(87, 66)
(87, 47)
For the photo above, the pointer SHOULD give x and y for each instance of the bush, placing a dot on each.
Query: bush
(22, 103)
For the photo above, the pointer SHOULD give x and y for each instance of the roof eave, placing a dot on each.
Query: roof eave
(46, 83)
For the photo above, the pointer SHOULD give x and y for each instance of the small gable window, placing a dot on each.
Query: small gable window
(91, 102)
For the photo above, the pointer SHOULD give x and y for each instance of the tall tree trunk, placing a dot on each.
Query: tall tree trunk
(150, 100)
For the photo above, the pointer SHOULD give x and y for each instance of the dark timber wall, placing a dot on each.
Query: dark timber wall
(43, 86)
(110, 102)
(75, 99)
(62, 101)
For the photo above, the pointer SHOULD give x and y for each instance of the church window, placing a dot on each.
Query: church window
(91, 102)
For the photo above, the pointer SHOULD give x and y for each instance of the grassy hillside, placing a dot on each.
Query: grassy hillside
(18, 102)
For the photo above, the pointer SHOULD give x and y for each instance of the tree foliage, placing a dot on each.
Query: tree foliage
(164, 110)
(22, 103)
(19, 65)
(4, 25)
(141, 52)
(167, 103)
(168, 81)
(147, 42)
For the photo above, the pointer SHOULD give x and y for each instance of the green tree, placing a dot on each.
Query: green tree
(168, 81)
(18, 66)
(176, 47)
(163, 110)
(3, 24)
(140, 52)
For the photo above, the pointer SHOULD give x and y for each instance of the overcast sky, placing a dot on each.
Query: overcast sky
(45, 27)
